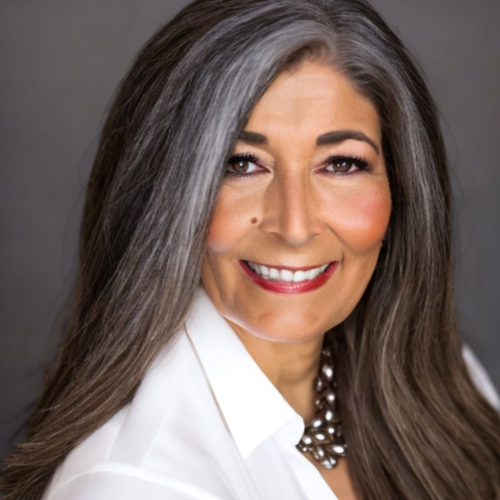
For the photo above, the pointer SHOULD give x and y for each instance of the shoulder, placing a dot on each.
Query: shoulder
(480, 377)
(144, 450)
(108, 481)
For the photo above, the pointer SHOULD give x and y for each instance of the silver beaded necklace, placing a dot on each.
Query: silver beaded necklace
(323, 437)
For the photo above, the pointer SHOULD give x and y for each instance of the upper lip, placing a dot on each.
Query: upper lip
(305, 268)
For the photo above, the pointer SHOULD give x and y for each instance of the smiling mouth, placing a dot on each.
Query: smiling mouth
(287, 274)
(289, 280)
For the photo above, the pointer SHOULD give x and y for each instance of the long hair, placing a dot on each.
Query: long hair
(416, 426)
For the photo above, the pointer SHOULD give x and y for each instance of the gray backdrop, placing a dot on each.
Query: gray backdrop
(61, 61)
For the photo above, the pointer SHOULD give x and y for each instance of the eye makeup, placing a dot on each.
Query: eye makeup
(236, 161)
(341, 165)
(344, 165)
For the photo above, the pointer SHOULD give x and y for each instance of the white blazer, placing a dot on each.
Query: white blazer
(205, 424)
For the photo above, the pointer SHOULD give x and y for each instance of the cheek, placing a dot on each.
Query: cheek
(233, 217)
(361, 218)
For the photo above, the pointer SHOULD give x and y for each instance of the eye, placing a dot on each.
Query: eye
(243, 165)
(343, 165)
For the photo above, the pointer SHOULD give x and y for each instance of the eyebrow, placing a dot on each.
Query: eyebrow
(253, 137)
(329, 138)
(344, 135)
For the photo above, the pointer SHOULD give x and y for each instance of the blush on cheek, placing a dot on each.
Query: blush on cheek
(227, 230)
(365, 224)
(220, 238)
(234, 217)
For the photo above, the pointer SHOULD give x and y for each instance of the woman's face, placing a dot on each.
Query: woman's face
(306, 188)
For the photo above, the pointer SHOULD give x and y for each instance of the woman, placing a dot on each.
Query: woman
(267, 223)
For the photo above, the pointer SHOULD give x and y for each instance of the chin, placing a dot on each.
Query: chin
(290, 332)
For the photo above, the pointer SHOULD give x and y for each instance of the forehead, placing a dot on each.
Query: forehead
(313, 98)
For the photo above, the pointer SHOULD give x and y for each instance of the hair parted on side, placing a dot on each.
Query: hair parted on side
(416, 426)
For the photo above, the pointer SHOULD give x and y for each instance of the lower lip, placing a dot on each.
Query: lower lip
(285, 286)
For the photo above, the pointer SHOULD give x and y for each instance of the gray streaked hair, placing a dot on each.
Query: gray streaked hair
(416, 426)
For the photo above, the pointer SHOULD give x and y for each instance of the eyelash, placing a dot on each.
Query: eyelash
(360, 163)
(243, 157)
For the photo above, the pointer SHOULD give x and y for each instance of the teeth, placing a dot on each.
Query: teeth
(299, 276)
(273, 273)
(285, 274)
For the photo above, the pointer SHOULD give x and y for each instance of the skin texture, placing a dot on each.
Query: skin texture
(299, 210)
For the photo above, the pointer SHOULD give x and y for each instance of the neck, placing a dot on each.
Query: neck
(291, 367)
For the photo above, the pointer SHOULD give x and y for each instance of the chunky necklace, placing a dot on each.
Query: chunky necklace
(323, 437)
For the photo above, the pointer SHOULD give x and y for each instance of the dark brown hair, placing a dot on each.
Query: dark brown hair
(416, 426)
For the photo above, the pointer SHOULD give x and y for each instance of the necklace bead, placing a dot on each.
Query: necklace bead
(323, 438)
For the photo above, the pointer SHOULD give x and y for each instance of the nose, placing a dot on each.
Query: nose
(291, 209)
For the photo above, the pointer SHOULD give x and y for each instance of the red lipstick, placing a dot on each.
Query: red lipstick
(285, 286)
